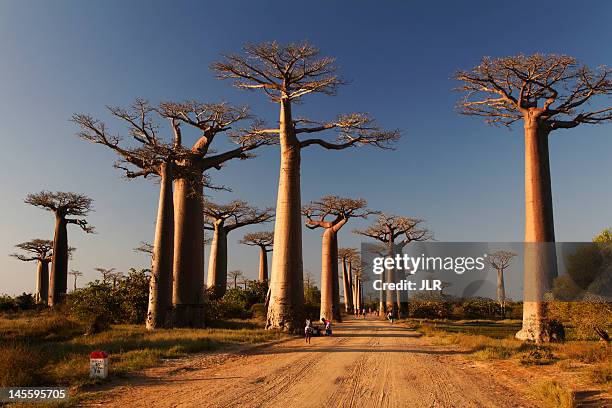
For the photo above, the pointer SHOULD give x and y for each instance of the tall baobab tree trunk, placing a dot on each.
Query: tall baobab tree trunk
(42, 281)
(501, 291)
(188, 290)
(390, 296)
(217, 263)
(160, 289)
(348, 299)
(287, 288)
(58, 281)
(263, 264)
(336, 313)
(327, 282)
(540, 259)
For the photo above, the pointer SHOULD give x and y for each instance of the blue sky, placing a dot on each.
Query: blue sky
(464, 177)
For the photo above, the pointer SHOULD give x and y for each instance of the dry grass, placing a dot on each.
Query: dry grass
(19, 366)
(601, 373)
(56, 346)
(554, 395)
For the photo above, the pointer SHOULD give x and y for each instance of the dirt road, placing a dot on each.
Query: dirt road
(366, 363)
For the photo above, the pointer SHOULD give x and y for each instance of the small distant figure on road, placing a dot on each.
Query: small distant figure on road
(390, 316)
(364, 313)
(308, 331)
(327, 323)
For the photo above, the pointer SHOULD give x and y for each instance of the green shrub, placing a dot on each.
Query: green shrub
(429, 309)
(101, 304)
(481, 308)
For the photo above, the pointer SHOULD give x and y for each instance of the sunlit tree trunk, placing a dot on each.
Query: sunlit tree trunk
(336, 312)
(327, 280)
(188, 289)
(42, 281)
(160, 289)
(540, 265)
(58, 281)
(348, 298)
(263, 264)
(287, 288)
(217, 262)
(501, 291)
(390, 295)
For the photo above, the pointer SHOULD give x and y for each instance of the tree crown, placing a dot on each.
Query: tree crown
(288, 72)
(347, 254)
(263, 239)
(340, 210)
(64, 204)
(388, 228)
(37, 249)
(234, 215)
(500, 260)
(552, 89)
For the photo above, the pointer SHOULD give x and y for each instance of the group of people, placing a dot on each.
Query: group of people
(309, 328)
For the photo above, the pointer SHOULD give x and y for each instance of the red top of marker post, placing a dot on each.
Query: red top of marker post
(98, 354)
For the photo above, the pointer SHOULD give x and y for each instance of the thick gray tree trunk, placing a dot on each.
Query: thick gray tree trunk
(160, 290)
(286, 306)
(42, 281)
(217, 262)
(263, 264)
(58, 281)
(348, 298)
(540, 264)
(188, 289)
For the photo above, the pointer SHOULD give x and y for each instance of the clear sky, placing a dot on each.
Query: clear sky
(464, 177)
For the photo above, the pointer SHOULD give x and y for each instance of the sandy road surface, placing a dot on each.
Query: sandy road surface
(365, 364)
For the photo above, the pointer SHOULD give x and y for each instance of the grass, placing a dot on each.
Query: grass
(601, 373)
(55, 346)
(552, 394)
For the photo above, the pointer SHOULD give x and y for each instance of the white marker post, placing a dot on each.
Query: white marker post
(98, 364)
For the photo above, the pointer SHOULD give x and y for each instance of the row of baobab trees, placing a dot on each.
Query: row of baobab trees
(543, 92)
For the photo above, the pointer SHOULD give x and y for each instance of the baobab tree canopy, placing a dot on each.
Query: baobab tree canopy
(37, 250)
(554, 89)
(261, 238)
(500, 260)
(340, 209)
(234, 215)
(64, 204)
(388, 228)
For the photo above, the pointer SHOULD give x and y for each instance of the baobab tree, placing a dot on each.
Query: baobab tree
(222, 219)
(500, 261)
(546, 93)
(167, 159)
(234, 275)
(152, 155)
(39, 250)
(107, 274)
(76, 274)
(286, 74)
(388, 229)
(331, 213)
(208, 120)
(346, 256)
(264, 240)
(64, 205)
